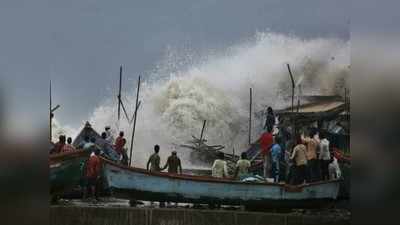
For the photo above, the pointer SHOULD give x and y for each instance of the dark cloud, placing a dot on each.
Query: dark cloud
(81, 44)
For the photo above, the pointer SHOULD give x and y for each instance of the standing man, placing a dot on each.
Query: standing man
(93, 168)
(219, 168)
(312, 144)
(109, 136)
(276, 152)
(119, 143)
(173, 163)
(104, 137)
(270, 121)
(108, 149)
(124, 159)
(324, 156)
(154, 163)
(242, 167)
(154, 160)
(299, 156)
(266, 140)
(334, 169)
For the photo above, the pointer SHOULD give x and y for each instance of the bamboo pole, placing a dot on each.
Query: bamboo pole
(293, 85)
(55, 108)
(125, 113)
(298, 99)
(134, 121)
(202, 130)
(250, 112)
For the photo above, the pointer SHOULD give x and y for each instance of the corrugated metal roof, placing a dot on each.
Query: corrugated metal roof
(319, 107)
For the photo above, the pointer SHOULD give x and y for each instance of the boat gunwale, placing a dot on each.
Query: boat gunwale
(57, 157)
(213, 179)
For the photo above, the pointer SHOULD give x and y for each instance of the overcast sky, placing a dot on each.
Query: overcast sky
(81, 43)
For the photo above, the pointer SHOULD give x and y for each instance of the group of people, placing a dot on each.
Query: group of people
(312, 159)
(173, 162)
(91, 169)
(309, 159)
(114, 149)
(63, 145)
(219, 168)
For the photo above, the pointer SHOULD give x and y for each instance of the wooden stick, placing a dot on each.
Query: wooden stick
(250, 112)
(202, 130)
(133, 116)
(123, 109)
(293, 84)
(254, 157)
(134, 121)
(55, 108)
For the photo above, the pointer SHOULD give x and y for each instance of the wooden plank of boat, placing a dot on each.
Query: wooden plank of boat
(66, 170)
(136, 183)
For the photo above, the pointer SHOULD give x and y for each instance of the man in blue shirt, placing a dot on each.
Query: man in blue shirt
(276, 152)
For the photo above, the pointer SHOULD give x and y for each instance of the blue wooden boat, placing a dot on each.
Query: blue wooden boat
(65, 170)
(136, 183)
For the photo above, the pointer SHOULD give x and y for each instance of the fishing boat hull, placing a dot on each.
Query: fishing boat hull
(139, 184)
(66, 171)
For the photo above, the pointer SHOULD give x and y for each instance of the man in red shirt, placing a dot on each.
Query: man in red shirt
(119, 143)
(266, 140)
(92, 173)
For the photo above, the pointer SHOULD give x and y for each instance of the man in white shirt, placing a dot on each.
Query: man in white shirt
(242, 167)
(108, 132)
(324, 156)
(334, 169)
(219, 168)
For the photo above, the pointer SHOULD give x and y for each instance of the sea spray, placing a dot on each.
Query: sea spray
(177, 96)
(58, 129)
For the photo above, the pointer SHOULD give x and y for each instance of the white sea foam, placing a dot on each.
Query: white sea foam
(184, 90)
(59, 129)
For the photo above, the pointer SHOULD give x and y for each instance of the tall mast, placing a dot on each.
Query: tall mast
(134, 120)
(119, 95)
(250, 112)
